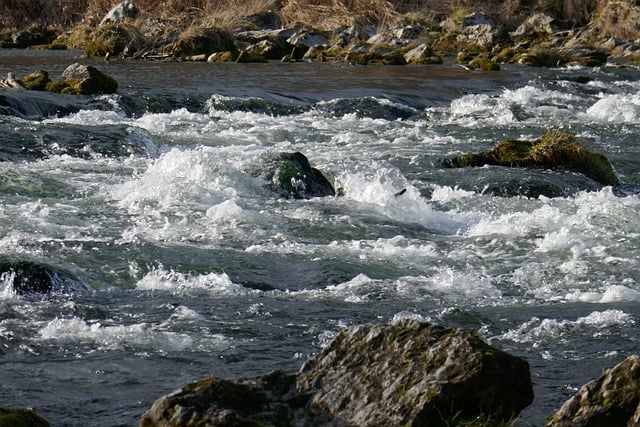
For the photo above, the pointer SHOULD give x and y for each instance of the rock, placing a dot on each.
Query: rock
(36, 81)
(422, 54)
(221, 57)
(116, 39)
(413, 373)
(124, 10)
(408, 373)
(30, 37)
(269, 400)
(611, 400)
(26, 277)
(554, 150)
(206, 41)
(292, 176)
(265, 20)
(21, 417)
(304, 39)
(537, 26)
(84, 80)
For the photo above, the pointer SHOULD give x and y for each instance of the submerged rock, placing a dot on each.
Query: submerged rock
(21, 417)
(554, 150)
(292, 176)
(611, 400)
(26, 277)
(409, 373)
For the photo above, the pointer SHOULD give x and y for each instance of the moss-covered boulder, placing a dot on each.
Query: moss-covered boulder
(611, 400)
(291, 175)
(115, 39)
(197, 41)
(21, 417)
(36, 81)
(554, 150)
(83, 80)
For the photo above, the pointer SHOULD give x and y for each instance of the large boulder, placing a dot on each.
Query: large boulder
(269, 400)
(27, 277)
(611, 400)
(291, 175)
(554, 150)
(21, 417)
(413, 373)
(408, 373)
(84, 80)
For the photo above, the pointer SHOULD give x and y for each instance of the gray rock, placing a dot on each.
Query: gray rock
(17, 417)
(124, 10)
(611, 400)
(87, 80)
(413, 373)
(538, 25)
(292, 176)
(409, 373)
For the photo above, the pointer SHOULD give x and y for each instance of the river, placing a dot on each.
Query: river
(196, 268)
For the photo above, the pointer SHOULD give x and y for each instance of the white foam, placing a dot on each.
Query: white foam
(119, 337)
(616, 108)
(161, 279)
(612, 293)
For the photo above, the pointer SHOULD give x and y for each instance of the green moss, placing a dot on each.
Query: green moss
(554, 150)
(483, 63)
(36, 81)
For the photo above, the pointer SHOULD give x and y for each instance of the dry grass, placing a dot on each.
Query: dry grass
(321, 14)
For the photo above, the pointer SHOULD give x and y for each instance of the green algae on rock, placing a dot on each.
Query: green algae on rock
(554, 150)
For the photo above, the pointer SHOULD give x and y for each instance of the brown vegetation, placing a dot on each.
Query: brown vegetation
(317, 13)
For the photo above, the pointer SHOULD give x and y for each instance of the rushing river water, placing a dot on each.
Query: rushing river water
(196, 268)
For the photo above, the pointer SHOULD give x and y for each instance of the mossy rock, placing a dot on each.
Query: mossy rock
(115, 39)
(196, 41)
(21, 417)
(36, 81)
(542, 57)
(484, 63)
(247, 57)
(226, 56)
(554, 150)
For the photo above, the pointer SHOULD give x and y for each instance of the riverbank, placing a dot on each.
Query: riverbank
(603, 31)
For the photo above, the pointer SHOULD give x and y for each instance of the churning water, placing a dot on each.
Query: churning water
(196, 268)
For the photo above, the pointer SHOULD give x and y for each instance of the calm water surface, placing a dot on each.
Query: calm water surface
(196, 268)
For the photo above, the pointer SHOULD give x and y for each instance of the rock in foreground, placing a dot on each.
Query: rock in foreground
(21, 417)
(292, 176)
(409, 373)
(611, 400)
(554, 150)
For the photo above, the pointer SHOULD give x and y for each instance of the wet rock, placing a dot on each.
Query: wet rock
(305, 39)
(83, 80)
(554, 150)
(611, 400)
(26, 277)
(413, 373)
(269, 400)
(36, 81)
(21, 417)
(122, 11)
(408, 373)
(292, 176)
(422, 54)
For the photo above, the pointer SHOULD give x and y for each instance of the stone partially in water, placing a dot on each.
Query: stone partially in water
(86, 80)
(554, 150)
(292, 176)
(413, 373)
(21, 417)
(611, 400)
(26, 277)
(409, 373)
